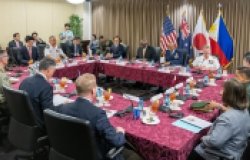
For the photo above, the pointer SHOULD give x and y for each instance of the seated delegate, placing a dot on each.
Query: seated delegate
(173, 55)
(206, 61)
(230, 131)
(28, 54)
(145, 51)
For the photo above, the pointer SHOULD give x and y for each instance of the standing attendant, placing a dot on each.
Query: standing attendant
(66, 37)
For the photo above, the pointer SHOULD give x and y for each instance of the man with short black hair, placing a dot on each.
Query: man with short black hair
(39, 90)
(117, 50)
(75, 49)
(28, 53)
(66, 37)
(37, 40)
(16, 42)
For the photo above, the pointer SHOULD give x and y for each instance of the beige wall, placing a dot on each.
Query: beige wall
(47, 17)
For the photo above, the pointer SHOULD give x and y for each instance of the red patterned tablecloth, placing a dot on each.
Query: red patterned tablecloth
(136, 72)
(163, 141)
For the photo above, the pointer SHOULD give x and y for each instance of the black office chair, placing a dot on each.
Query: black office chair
(72, 138)
(40, 49)
(24, 132)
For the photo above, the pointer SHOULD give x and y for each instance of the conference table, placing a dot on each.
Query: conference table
(136, 71)
(156, 142)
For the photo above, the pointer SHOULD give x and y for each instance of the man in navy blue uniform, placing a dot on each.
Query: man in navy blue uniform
(174, 55)
(117, 50)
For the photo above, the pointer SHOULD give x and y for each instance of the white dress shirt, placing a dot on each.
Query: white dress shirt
(210, 63)
(53, 52)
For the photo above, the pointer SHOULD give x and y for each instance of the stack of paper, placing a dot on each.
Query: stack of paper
(192, 123)
(58, 100)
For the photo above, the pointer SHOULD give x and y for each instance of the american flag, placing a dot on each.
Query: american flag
(184, 27)
(168, 34)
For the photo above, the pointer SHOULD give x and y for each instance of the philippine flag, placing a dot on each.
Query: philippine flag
(220, 41)
(200, 35)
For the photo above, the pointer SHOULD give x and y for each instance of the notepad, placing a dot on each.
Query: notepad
(192, 123)
(58, 100)
(131, 97)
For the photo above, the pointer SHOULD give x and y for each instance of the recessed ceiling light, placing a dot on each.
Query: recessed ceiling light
(75, 1)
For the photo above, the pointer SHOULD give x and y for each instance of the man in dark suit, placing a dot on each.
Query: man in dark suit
(75, 49)
(117, 50)
(15, 43)
(28, 54)
(39, 90)
(174, 55)
(145, 51)
(107, 136)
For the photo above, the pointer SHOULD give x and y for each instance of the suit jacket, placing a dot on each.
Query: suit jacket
(106, 135)
(118, 51)
(228, 134)
(40, 93)
(72, 50)
(150, 53)
(174, 57)
(24, 56)
(12, 44)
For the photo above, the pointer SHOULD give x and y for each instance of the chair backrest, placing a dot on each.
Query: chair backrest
(126, 48)
(23, 129)
(158, 53)
(13, 54)
(70, 138)
(40, 50)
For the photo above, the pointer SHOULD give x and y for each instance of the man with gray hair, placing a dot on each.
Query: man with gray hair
(53, 51)
(39, 90)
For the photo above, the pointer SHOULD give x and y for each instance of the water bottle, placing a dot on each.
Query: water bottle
(101, 57)
(167, 100)
(99, 92)
(120, 59)
(206, 80)
(188, 69)
(141, 104)
(187, 89)
(152, 62)
(219, 72)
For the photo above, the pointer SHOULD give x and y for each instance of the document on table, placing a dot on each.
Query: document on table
(110, 113)
(58, 100)
(192, 123)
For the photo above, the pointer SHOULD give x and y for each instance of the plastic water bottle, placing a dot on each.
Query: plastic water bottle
(101, 57)
(219, 72)
(206, 80)
(120, 59)
(141, 104)
(167, 101)
(99, 92)
(188, 69)
(187, 89)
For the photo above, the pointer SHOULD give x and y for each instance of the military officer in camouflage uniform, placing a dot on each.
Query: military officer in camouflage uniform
(4, 79)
